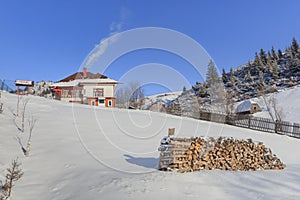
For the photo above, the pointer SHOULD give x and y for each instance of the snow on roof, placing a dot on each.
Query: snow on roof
(65, 84)
(245, 106)
(98, 80)
(83, 81)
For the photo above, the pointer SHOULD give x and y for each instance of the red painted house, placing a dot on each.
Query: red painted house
(86, 88)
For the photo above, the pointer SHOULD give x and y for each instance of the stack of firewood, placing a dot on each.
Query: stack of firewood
(194, 154)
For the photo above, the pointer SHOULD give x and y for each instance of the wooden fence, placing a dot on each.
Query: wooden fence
(255, 123)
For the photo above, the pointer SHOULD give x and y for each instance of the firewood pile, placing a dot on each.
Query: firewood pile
(193, 154)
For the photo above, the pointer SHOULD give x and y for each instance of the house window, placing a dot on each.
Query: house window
(101, 101)
(67, 93)
(98, 92)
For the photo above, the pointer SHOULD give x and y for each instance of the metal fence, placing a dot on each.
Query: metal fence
(7, 85)
(255, 123)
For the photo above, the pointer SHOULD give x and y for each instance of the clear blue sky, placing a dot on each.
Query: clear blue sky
(49, 39)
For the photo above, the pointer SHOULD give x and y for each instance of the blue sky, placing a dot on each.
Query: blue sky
(49, 39)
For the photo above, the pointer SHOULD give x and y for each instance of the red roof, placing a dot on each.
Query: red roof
(79, 75)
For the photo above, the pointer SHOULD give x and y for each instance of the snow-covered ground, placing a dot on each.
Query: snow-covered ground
(82, 152)
(288, 101)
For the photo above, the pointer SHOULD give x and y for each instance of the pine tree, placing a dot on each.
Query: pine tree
(248, 76)
(261, 80)
(257, 63)
(274, 55)
(295, 47)
(214, 83)
(249, 64)
(280, 55)
(224, 76)
(295, 60)
(263, 56)
(269, 67)
(275, 73)
(212, 73)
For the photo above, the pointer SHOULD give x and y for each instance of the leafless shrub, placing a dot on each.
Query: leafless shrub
(18, 105)
(31, 123)
(274, 110)
(25, 102)
(1, 107)
(130, 95)
(1, 104)
(14, 173)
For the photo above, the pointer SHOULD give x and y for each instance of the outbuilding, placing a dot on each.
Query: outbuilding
(248, 107)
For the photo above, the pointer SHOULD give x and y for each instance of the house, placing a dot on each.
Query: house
(86, 88)
(248, 107)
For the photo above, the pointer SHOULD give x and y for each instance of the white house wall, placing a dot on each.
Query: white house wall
(108, 90)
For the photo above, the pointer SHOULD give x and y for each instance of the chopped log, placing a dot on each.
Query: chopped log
(193, 154)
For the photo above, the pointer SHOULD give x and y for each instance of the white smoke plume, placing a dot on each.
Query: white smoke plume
(115, 27)
(100, 49)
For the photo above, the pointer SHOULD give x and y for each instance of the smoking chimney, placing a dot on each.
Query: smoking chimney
(84, 72)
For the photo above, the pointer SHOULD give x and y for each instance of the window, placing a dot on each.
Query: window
(67, 93)
(98, 92)
(101, 101)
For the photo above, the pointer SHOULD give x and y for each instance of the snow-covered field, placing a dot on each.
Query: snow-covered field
(288, 100)
(81, 152)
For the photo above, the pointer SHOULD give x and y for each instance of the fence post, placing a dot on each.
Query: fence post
(249, 121)
(2, 84)
(171, 131)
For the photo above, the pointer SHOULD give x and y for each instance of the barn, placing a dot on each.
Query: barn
(248, 107)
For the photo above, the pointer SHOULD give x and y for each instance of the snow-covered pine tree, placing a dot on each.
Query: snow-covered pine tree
(263, 56)
(295, 48)
(214, 82)
(258, 64)
(212, 74)
(224, 76)
(261, 81)
(275, 73)
(280, 54)
(274, 54)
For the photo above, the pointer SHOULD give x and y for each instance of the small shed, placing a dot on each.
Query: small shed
(248, 107)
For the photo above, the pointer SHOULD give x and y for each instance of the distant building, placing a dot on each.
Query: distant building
(248, 107)
(86, 88)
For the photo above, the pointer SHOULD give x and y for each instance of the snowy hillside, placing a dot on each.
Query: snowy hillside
(82, 152)
(288, 101)
(151, 102)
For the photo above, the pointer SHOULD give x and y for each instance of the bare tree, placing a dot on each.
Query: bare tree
(1, 104)
(31, 123)
(14, 173)
(1, 107)
(18, 105)
(274, 110)
(120, 98)
(229, 103)
(130, 95)
(25, 102)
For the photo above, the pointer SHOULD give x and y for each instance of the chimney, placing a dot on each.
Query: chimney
(84, 72)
